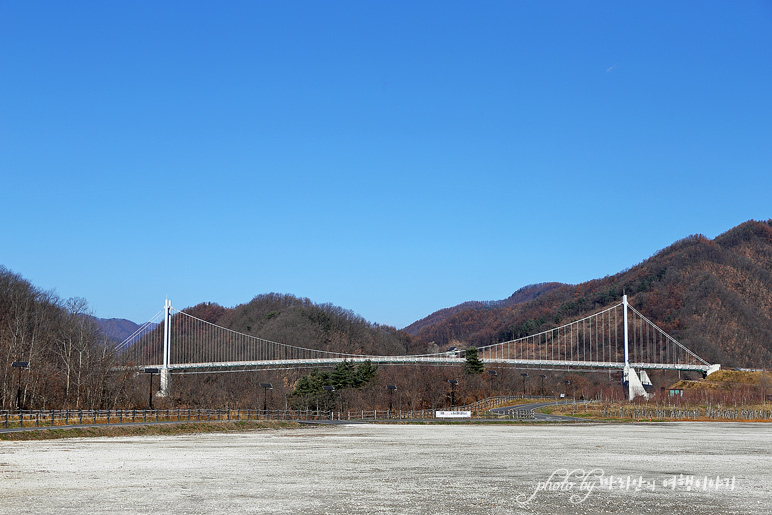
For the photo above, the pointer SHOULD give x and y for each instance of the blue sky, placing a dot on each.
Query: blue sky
(392, 158)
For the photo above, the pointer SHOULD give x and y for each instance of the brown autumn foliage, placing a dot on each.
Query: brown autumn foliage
(298, 321)
(281, 318)
(715, 296)
(69, 359)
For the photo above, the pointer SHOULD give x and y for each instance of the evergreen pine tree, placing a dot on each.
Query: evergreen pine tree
(473, 364)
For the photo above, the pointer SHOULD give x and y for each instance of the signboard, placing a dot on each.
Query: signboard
(453, 414)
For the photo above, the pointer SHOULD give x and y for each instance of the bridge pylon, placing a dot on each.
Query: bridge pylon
(630, 379)
(166, 376)
(635, 387)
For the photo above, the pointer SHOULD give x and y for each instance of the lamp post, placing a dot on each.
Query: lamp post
(19, 365)
(453, 383)
(330, 389)
(151, 371)
(491, 375)
(524, 375)
(391, 388)
(266, 387)
(542, 376)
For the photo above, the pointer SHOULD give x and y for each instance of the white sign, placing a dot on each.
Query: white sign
(453, 414)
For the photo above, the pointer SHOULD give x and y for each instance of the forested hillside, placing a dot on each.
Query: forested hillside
(72, 360)
(713, 295)
(295, 321)
(68, 356)
(298, 321)
(524, 294)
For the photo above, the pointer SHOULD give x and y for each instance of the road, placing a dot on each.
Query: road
(540, 416)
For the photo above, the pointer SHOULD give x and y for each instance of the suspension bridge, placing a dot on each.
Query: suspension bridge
(615, 338)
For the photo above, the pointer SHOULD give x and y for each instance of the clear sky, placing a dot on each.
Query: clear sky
(392, 158)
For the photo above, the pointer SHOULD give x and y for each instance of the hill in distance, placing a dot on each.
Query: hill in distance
(715, 296)
(298, 321)
(117, 329)
(522, 295)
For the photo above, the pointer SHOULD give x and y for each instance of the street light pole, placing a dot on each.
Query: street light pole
(391, 388)
(266, 387)
(19, 365)
(543, 376)
(524, 376)
(491, 375)
(453, 383)
(151, 371)
(331, 390)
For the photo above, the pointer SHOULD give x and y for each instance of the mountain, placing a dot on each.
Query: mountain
(715, 296)
(522, 295)
(117, 329)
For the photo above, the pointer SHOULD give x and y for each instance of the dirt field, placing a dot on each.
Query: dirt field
(583, 468)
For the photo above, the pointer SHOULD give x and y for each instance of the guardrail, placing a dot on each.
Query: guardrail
(498, 401)
(490, 402)
(521, 413)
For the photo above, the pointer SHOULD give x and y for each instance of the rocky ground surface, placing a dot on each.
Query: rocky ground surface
(574, 468)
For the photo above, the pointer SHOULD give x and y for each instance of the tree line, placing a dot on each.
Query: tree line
(68, 359)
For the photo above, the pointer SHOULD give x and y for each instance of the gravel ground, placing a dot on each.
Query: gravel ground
(631, 468)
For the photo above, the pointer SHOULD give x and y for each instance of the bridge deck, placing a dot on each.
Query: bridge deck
(435, 360)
